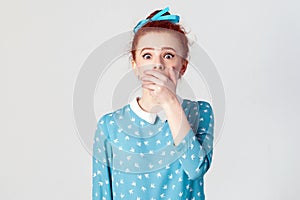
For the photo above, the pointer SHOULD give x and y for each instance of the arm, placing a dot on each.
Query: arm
(197, 159)
(101, 184)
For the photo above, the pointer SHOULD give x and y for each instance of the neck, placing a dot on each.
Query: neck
(148, 103)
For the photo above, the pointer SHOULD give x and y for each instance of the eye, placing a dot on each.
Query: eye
(169, 56)
(146, 56)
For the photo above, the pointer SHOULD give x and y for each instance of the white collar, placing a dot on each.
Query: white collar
(149, 117)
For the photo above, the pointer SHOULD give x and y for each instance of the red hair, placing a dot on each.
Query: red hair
(159, 26)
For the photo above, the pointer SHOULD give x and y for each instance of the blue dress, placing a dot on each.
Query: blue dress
(137, 160)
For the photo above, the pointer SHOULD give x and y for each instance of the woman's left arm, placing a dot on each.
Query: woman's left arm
(197, 159)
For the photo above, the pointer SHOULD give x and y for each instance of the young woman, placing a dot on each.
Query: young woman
(159, 146)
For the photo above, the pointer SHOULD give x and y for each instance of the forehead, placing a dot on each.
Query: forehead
(160, 40)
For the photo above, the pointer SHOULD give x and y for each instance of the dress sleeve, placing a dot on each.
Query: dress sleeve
(198, 157)
(101, 174)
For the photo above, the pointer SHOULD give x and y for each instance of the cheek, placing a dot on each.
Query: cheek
(178, 65)
(141, 61)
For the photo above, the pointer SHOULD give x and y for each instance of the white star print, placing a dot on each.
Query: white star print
(158, 153)
(151, 166)
(158, 174)
(192, 146)
(143, 189)
(137, 133)
(192, 156)
(116, 140)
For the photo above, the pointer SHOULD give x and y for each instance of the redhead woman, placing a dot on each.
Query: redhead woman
(158, 146)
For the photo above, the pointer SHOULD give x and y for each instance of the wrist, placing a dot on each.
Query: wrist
(172, 106)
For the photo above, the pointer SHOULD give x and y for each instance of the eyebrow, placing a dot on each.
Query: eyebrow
(163, 48)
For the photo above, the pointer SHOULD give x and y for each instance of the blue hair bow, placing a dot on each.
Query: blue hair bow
(158, 17)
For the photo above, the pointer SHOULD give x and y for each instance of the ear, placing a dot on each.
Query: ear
(183, 68)
(133, 64)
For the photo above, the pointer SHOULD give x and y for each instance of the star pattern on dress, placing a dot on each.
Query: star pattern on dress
(148, 148)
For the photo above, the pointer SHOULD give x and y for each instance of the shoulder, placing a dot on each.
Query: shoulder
(110, 117)
(200, 105)
(205, 106)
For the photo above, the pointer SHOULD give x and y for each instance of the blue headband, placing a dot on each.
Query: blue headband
(158, 17)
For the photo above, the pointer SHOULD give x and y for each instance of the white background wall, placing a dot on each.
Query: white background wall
(254, 44)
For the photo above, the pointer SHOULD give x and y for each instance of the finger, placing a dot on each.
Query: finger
(149, 87)
(173, 75)
(169, 85)
(156, 74)
(152, 79)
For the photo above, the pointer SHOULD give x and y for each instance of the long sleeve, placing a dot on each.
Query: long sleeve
(198, 157)
(101, 184)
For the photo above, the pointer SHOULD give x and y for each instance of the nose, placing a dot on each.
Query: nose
(158, 63)
(159, 66)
